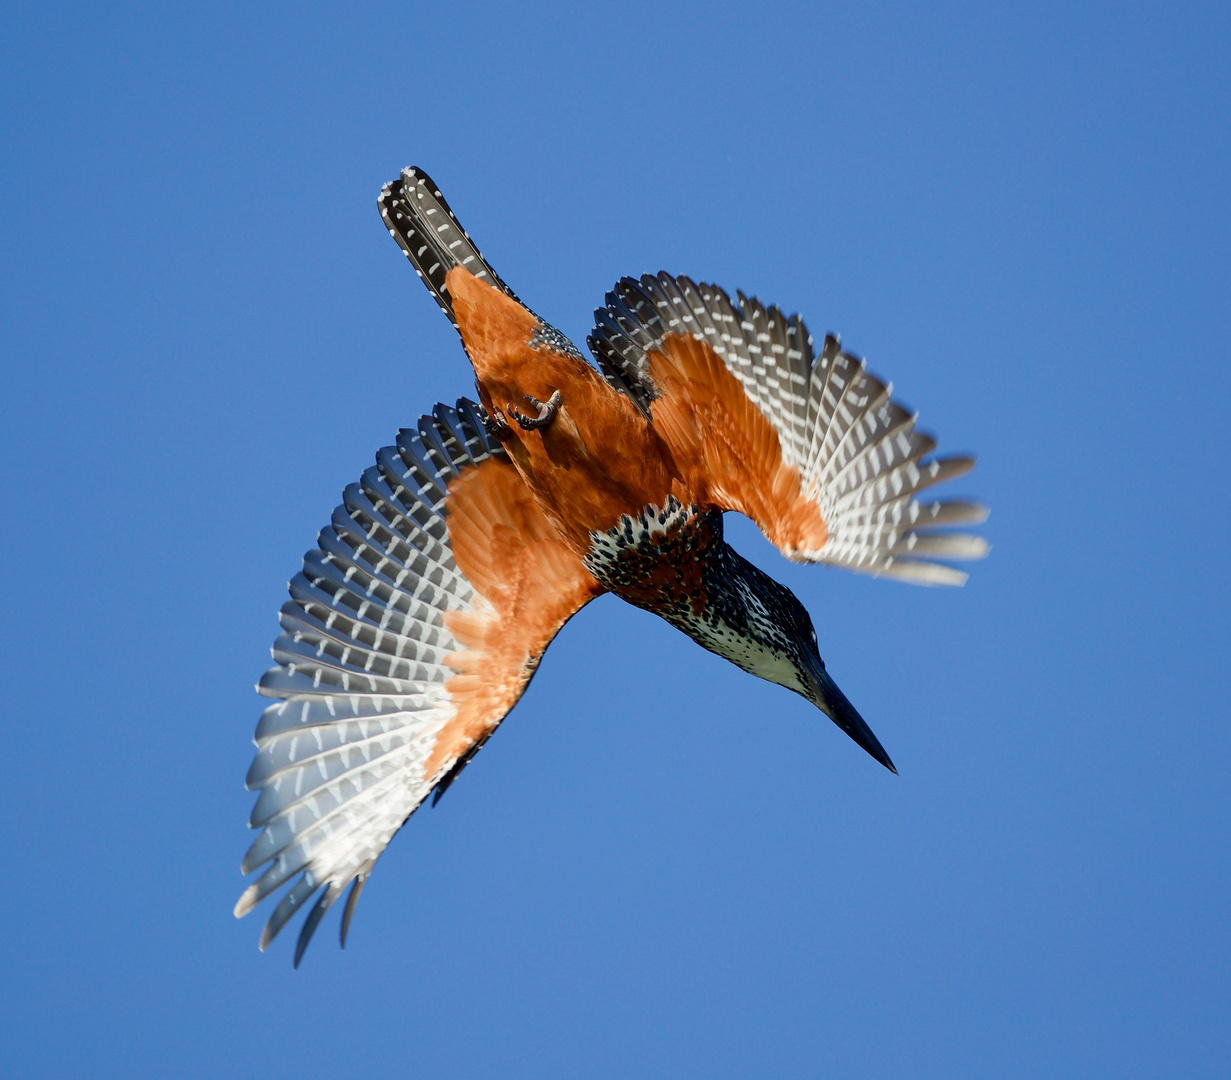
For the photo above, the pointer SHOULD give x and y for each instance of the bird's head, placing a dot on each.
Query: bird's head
(761, 626)
(674, 562)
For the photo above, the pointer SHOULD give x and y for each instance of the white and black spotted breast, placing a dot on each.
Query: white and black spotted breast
(657, 558)
(673, 561)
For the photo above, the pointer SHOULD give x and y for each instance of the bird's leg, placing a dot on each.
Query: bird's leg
(546, 412)
(494, 424)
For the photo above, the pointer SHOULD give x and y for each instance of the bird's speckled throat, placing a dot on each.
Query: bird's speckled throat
(673, 561)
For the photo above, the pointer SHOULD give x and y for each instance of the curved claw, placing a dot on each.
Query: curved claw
(494, 424)
(546, 412)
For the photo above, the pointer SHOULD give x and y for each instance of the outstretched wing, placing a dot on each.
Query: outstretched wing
(813, 449)
(412, 630)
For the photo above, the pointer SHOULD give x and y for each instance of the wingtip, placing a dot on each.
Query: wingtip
(246, 902)
(313, 921)
(351, 900)
(977, 512)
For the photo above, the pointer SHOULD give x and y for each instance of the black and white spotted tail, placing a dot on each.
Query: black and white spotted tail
(420, 220)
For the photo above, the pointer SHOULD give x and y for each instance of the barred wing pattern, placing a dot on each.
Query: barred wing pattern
(854, 453)
(402, 649)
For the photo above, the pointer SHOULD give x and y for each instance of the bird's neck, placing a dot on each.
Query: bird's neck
(674, 562)
(743, 620)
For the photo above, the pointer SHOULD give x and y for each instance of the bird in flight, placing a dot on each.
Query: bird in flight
(419, 619)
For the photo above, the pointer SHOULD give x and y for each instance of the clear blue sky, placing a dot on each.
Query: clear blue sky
(660, 867)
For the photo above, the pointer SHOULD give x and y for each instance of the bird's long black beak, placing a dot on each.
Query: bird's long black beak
(833, 703)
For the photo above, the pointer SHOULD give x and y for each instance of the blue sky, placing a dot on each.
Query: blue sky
(659, 866)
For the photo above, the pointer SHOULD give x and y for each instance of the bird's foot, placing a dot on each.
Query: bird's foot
(546, 412)
(495, 425)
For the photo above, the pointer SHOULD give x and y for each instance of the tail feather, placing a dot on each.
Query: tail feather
(420, 220)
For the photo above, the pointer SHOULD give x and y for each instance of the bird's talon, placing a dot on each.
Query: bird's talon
(495, 424)
(546, 412)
